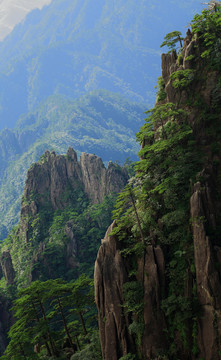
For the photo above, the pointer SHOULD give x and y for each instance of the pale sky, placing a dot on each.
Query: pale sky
(13, 11)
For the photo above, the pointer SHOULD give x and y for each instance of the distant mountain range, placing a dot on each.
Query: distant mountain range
(13, 11)
(100, 122)
(78, 73)
(74, 46)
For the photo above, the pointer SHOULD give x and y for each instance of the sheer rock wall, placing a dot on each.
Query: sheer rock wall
(111, 269)
(48, 181)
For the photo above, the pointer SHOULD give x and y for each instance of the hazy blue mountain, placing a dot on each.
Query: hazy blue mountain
(13, 11)
(63, 52)
(100, 122)
(74, 46)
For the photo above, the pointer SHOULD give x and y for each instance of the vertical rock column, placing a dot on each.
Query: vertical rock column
(153, 269)
(7, 267)
(207, 276)
(110, 275)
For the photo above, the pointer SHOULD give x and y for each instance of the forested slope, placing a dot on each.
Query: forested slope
(47, 261)
(100, 122)
(72, 47)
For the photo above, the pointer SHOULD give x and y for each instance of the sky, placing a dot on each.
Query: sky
(13, 11)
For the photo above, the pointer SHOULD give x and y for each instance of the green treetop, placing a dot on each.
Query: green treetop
(171, 39)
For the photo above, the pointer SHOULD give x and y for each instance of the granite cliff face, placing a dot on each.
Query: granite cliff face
(111, 273)
(52, 180)
(56, 172)
(201, 254)
(58, 189)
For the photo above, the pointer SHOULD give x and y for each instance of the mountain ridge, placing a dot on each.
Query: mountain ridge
(100, 122)
(62, 43)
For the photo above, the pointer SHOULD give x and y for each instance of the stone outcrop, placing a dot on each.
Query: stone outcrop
(171, 63)
(208, 265)
(58, 185)
(53, 179)
(153, 268)
(99, 181)
(7, 267)
(72, 246)
(110, 274)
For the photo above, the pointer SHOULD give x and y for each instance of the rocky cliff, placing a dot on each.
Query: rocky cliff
(52, 181)
(168, 243)
(60, 198)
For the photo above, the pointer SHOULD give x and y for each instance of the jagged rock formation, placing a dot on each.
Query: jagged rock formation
(55, 185)
(53, 179)
(202, 284)
(111, 273)
(207, 262)
(52, 176)
(56, 124)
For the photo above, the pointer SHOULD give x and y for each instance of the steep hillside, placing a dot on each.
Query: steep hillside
(58, 233)
(66, 206)
(162, 300)
(100, 122)
(71, 47)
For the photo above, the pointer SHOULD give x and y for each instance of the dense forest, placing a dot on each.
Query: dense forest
(158, 270)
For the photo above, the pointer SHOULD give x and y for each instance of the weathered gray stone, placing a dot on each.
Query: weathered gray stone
(7, 267)
(110, 274)
(207, 276)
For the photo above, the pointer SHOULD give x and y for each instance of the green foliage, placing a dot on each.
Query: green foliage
(129, 166)
(100, 122)
(152, 209)
(133, 294)
(127, 215)
(171, 39)
(182, 78)
(207, 26)
(45, 254)
(133, 304)
(128, 357)
(89, 228)
(160, 117)
(91, 351)
(3, 232)
(169, 159)
(180, 59)
(49, 312)
(161, 93)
